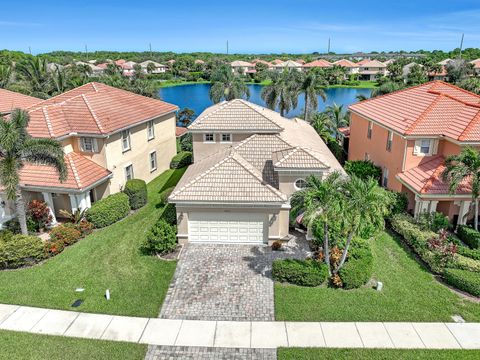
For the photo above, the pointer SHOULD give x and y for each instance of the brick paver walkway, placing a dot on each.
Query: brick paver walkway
(209, 353)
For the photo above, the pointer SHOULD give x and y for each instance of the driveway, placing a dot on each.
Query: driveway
(226, 282)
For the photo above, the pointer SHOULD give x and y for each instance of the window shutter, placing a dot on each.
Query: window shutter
(80, 144)
(434, 146)
(416, 148)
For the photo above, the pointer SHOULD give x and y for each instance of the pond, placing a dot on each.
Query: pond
(196, 97)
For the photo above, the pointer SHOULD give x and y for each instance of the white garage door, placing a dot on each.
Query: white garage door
(226, 227)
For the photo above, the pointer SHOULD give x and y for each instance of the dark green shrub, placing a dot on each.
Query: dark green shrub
(161, 238)
(469, 236)
(164, 196)
(465, 263)
(170, 214)
(109, 210)
(399, 203)
(182, 159)
(20, 250)
(136, 190)
(467, 252)
(300, 272)
(66, 233)
(434, 221)
(363, 169)
(186, 142)
(464, 280)
(13, 226)
(358, 268)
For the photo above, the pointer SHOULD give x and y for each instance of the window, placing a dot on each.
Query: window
(88, 144)
(125, 140)
(300, 184)
(150, 130)
(385, 177)
(226, 138)
(389, 141)
(425, 147)
(209, 138)
(369, 131)
(129, 172)
(153, 161)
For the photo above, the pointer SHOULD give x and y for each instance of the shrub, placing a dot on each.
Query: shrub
(399, 203)
(170, 214)
(300, 272)
(39, 212)
(161, 238)
(469, 236)
(464, 280)
(164, 196)
(109, 210)
(363, 169)
(434, 221)
(358, 268)
(20, 250)
(85, 227)
(13, 226)
(136, 190)
(65, 233)
(182, 159)
(186, 142)
(471, 253)
(465, 263)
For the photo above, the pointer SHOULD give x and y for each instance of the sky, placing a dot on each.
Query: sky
(261, 26)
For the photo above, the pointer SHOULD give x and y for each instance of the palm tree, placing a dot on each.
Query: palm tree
(282, 92)
(151, 67)
(34, 72)
(226, 85)
(471, 84)
(310, 86)
(5, 76)
(361, 97)
(464, 167)
(18, 148)
(387, 88)
(60, 81)
(185, 116)
(339, 118)
(322, 123)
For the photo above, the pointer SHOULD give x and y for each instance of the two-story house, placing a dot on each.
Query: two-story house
(409, 133)
(242, 67)
(248, 162)
(371, 70)
(108, 135)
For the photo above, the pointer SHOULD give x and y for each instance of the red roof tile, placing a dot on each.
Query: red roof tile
(179, 131)
(432, 109)
(346, 63)
(93, 108)
(10, 100)
(82, 173)
(318, 63)
(345, 131)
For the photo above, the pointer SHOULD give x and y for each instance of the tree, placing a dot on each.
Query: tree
(387, 88)
(35, 75)
(471, 84)
(338, 117)
(18, 148)
(185, 116)
(322, 123)
(226, 85)
(5, 76)
(282, 92)
(151, 67)
(464, 167)
(395, 71)
(310, 86)
(417, 75)
(458, 70)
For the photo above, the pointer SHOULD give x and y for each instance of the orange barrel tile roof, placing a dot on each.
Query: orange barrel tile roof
(10, 100)
(318, 63)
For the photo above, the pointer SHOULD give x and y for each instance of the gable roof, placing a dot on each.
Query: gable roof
(372, 63)
(10, 100)
(346, 63)
(476, 63)
(145, 63)
(288, 64)
(95, 109)
(318, 63)
(297, 158)
(240, 63)
(237, 116)
(434, 109)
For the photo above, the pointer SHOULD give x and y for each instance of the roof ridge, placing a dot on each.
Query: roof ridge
(74, 170)
(47, 120)
(291, 151)
(474, 121)
(39, 105)
(249, 104)
(95, 118)
(221, 105)
(422, 116)
(312, 152)
(434, 91)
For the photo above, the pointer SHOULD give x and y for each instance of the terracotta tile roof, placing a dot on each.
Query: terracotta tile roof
(434, 109)
(346, 63)
(237, 115)
(298, 158)
(476, 63)
(288, 64)
(363, 61)
(240, 63)
(277, 61)
(372, 63)
(261, 62)
(318, 63)
(427, 179)
(82, 173)
(345, 131)
(179, 131)
(10, 100)
(93, 108)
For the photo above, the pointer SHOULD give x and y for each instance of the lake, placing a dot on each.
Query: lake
(195, 97)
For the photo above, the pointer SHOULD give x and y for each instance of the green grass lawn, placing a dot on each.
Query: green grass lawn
(375, 354)
(410, 294)
(107, 259)
(16, 346)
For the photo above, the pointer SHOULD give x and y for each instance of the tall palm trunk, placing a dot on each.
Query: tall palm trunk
(306, 107)
(22, 216)
(345, 251)
(326, 247)
(475, 220)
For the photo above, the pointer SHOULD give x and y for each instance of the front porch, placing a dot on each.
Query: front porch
(457, 210)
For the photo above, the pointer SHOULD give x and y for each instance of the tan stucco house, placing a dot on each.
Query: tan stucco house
(108, 136)
(248, 162)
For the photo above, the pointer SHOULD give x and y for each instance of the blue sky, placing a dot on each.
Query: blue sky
(260, 26)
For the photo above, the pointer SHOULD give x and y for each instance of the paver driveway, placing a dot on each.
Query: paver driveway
(225, 282)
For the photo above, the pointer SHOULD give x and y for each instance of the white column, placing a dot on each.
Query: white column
(463, 211)
(418, 204)
(47, 197)
(432, 207)
(73, 202)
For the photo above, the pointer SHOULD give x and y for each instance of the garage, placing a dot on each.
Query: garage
(225, 227)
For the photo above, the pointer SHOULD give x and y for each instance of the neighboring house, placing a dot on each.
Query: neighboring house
(318, 63)
(96, 70)
(444, 62)
(438, 75)
(476, 66)
(409, 133)
(248, 162)
(242, 67)
(407, 68)
(389, 61)
(371, 70)
(289, 64)
(350, 66)
(159, 68)
(199, 62)
(108, 136)
(54, 66)
(10, 100)
(256, 61)
(363, 61)
(277, 61)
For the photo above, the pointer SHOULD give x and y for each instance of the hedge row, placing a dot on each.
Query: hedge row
(469, 236)
(300, 272)
(182, 159)
(109, 210)
(464, 280)
(471, 253)
(20, 250)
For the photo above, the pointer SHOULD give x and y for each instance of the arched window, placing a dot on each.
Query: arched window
(300, 184)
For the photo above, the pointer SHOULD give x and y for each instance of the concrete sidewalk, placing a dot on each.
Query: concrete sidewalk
(241, 334)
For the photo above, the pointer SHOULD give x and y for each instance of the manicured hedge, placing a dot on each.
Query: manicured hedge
(109, 210)
(359, 267)
(399, 203)
(66, 233)
(136, 190)
(465, 263)
(300, 272)
(161, 238)
(469, 236)
(165, 194)
(471, 253)
(363, 169)
(464, 280)
(183, 158)
(20, 250)
(170, 214)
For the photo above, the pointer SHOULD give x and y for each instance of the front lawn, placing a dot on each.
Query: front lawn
(374, 354)
(16, 346)
(410, 294)
(107, 259)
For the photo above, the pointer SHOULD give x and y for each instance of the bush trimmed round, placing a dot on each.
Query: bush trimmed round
(66, 233)
(170, 214)
(161, 238)
(20, 250)
(136, 190)
(182, 159)
(109, 210)
(300, 272)
(358, 268)
(465, 280)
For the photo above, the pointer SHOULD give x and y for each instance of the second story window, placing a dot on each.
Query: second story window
(88, 144)
(425, 147)
(389, 141)
(129, 172)
(125, 140)
(226, 138)
(153, 161)
(209, 138)
(150, 130)
(385, 177)
(369, 130)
